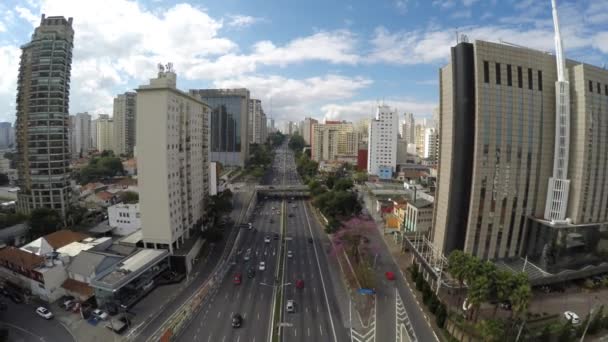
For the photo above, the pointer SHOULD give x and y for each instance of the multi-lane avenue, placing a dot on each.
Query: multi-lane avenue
(278, 226)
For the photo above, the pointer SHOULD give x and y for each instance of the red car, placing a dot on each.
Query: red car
(237, 279)
(299, 284)
(390, 275)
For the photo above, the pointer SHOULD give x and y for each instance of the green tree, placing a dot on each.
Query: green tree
(43, 221)
(343, 184)
(479, 292)
(74, 215)
(501, 289)
(596, 322)
(11, 219)
(565, 333)
(107, 153)
(297, 142)
(360, 177)
(491, 330)
(130, 197)
(520, 294)
(4, 181)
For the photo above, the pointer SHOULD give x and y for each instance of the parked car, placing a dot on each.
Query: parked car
(44, 312)
(291, 306)
(310, 240)
(100, 314)
(68, 303)
(572, 317)
(237, 320)
(251, 272)
(276, 236)
(389, 275)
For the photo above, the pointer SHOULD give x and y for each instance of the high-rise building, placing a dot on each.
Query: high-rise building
(419, 139)
(430, 147)
(7, 135)
(306, 127)
(43, 87)
(332, 139)
(81, 135)
(94, 134)
(498, 134)
(228, 124)
(125, 108)
(271, 125)
(383, 135)
(408, 128)
(263, 127)
(255, 121)
(173, 164)
(104, 126)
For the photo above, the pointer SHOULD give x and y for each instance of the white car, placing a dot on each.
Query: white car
(100, 314)
(44, 313)
(291, 306)
(572, 317)
(267, 239)
(290, 254)
(262, 266)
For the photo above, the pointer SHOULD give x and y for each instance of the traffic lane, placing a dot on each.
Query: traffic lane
(220, 308)
(322, 243)
(24, 322)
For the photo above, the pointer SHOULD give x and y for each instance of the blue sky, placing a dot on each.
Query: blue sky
(326, 59)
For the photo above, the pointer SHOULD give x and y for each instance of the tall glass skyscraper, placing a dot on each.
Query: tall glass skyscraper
(43, 89)
(228, 124)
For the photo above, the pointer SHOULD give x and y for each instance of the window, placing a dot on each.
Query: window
(540, 80)
(599, 89)
(509, 76)
(486, 72)
(530, 79)
(497, 73)
(606, 89)
(591, 86)
(519, 77)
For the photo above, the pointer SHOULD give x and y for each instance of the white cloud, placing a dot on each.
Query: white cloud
(444, 4)
(469, 2)
(402, 5)
(26, 14)
(463, 14)
(9, 62)
(2, 27)
(241, 21)
(353, 111)
(292, 98)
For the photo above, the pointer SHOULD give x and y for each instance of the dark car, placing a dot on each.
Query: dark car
(276, 236)
(251, 272)
(310, 240)
(237, 320)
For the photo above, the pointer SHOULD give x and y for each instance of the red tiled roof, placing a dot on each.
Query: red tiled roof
(20, 258)
(78, 287)
(104, 195)
(64, 237)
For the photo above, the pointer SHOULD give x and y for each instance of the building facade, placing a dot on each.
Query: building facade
(430, 144)
(257, 120)
(42, 124)
(173, 167)
(498, 127)
(333, 138)
(408, 128)
(7, 135)
(124, 218)
(307, 131)
(81, 135)
(125, 109)
(382, 150)
(104, 125)
(228, 124)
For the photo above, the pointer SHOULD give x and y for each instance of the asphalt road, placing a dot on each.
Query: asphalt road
(317, 316)
(144, 330)
(26, 326)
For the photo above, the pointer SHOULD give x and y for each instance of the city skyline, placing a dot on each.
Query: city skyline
(366, 53)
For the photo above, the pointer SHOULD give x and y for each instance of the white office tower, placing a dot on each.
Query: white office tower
(172, 161)
(430, 141)
(408, 128)
(81, 135)
(559, 184)
(382, 146)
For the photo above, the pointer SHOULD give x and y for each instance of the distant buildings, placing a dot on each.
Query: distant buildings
(498, 134)
(333, 139)
(382, 151)
(173, 167)
(104, 126)
(229, 137)
(81, 135)
(125, 108)
(407, 130)
(258, 131)
(42, 125)
(7, 135)
(430, 144)
(306, 128)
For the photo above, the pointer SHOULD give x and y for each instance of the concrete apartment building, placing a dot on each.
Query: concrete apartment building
(498, 137)
(81, 135)
(42, 125)
(125, 109)
(104, 127)
(307, 132)
(430, 144)
(333, 139)
(228, 124)
(7, 135)
(173, 167)
(257, 122)
(382, 146)
(407, 130)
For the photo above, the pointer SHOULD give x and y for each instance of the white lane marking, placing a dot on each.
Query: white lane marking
(320, 330)
(219, 313)
(308, 330)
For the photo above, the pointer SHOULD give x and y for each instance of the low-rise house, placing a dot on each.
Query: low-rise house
(51, 242)
(419, 215)
(124, 218)
(84, 268)
(102, 198)
(14, 235)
